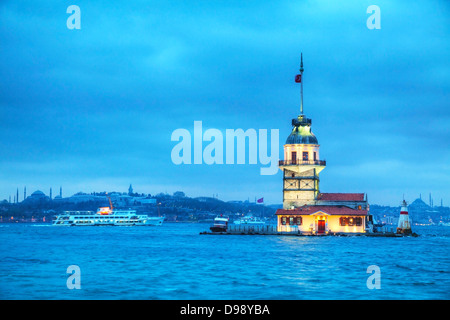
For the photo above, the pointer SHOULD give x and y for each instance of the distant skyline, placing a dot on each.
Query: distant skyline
(429, 199)
(94, 109)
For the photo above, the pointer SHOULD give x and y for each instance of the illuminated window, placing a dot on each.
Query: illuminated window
(283, 221)
(343, 221)
(350, 221)
(305, 155)
(291, 221)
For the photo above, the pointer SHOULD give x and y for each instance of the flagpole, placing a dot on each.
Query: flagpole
(301, 83)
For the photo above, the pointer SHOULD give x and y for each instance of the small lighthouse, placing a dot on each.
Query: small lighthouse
(404, 224)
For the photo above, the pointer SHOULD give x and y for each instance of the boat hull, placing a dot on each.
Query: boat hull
(151, 221)
(218, 229)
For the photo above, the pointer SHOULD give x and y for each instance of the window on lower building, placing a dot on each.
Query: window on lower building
(291, 221)
(350, 221)
(283, 221)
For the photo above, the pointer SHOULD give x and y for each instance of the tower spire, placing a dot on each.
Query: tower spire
(301, 83)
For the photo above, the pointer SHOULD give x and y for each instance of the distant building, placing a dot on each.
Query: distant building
(79, 198)
(130, 190)
(206, 199)
(145, 201)
(419, 205)
(37, 196)
(179, 194)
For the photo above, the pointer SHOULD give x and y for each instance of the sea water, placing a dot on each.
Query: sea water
(174, 261)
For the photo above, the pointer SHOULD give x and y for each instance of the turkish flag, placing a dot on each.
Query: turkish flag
(260, 200)
(298, 78)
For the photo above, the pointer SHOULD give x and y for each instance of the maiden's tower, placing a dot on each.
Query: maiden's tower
(305, 208)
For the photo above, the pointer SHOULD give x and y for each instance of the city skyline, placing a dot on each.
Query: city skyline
(15, 197)
(93, 109)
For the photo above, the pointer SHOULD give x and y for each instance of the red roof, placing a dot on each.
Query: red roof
(341, 196)
(331, 210)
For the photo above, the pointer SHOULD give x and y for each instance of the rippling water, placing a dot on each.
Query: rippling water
(175, 262)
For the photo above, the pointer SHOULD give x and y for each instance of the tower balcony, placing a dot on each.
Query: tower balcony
(302, 162)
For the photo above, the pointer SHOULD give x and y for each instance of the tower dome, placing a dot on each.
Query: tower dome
(301, 133)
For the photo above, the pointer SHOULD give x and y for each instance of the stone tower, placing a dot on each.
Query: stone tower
(301, 165)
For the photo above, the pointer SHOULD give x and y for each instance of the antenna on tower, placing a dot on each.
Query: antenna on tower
(301, 83)
(299, 79)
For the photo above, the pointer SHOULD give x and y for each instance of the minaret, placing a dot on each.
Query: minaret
(130, 190)
(50, 193)
(24, 193)
(301, 165)
(17, 198)
(60, 192)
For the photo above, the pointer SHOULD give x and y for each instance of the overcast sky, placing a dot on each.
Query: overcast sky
(94, 109)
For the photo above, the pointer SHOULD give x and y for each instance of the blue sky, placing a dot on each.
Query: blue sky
(94, 109)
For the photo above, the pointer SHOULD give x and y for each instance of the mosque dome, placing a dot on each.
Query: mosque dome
(38, 194)
(301, 132)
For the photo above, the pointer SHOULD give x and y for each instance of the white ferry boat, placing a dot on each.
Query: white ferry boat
(249, 220)
(106, 216)
(220, 224)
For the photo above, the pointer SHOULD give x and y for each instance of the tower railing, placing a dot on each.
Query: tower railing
(302, 162)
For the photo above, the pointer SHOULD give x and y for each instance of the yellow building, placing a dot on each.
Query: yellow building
(323, 219)
(305, 209)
